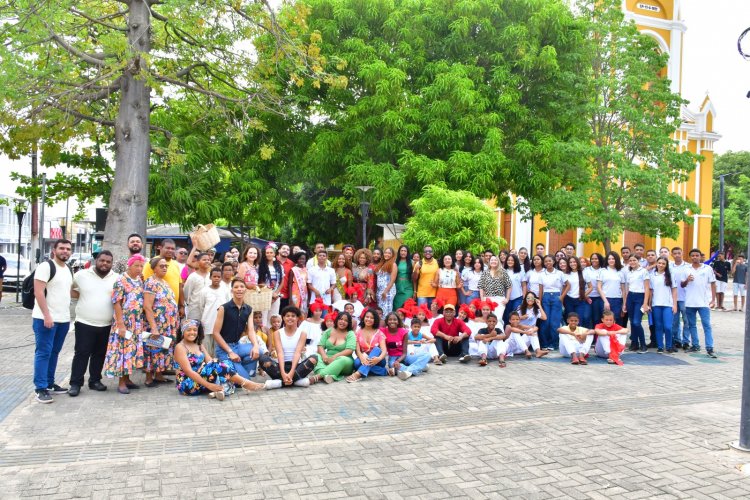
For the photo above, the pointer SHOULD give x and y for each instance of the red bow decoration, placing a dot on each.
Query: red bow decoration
(318, 305)
(406, 312)
(333, 315)
(477, 303)
(410, 303)
(426, 311)
(615, 348)
(467, 310)
(356, 289)
(491, 303)
(439, 302)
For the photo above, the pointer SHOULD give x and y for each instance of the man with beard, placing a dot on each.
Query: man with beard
(287, 265)
(135, 245)
(94, 311)
(167, 252)
(51, 318)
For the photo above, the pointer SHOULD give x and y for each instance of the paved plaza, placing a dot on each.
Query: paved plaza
(658, 427)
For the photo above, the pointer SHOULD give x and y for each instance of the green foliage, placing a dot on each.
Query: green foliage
(737, 201)
(448, 219)
(627, 162)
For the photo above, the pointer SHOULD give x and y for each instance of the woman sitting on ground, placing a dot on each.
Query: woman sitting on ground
(371, 349)
(401, 363)
(337, 344)
(524, 332)
(198, 373)
(289, 343)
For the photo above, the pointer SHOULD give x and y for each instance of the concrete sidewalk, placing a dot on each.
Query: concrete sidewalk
(657, 427)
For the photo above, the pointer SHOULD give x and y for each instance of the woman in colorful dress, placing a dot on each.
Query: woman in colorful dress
(344, 277)
(248, 268)
(404, 286)
(400, 362)
(386, 274)
(335, 349)
(362, 274)
(198, 373)
(298, 281)
(371, 349)
(160, 309)
(447, 281)
(125, 355)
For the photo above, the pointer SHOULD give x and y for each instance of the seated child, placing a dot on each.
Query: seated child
(575, 341)
(522, 337)
(611, 339)
(490, 343)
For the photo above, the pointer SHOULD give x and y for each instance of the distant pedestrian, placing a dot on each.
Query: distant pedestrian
(3, 268)
(721, 269)
(94, 311)
(739, 271)
(51, 318)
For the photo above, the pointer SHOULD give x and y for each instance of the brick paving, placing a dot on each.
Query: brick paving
(658, 427)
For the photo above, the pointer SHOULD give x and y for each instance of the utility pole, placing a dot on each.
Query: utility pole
(42, 201)
(35, 235)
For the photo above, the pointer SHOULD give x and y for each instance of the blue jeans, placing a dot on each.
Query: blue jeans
(512, 305)
(635, 315)
(581, 308)
(466, 299)
(680, 334)
(247, 366)
(552, 306)
(615, 305)
(663, 324)
(49, 343)
(413, 363)
(705, 314)
(597, 308)
(366, 370)
(425, 300)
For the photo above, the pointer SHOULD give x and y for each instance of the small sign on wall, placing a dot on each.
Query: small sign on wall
(648, 7)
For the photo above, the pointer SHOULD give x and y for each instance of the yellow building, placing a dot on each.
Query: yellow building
(661, 20)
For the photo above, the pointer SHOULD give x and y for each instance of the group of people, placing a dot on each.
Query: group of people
(383, 312)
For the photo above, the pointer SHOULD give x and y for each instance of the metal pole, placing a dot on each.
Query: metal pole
(35, 224)
(42, 201)
(365, 210)
(721, 213)
(20, 215)
(744, 443)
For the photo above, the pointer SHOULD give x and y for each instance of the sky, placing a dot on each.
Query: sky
(711, 64)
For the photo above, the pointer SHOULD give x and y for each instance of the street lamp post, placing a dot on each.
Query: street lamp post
(365, 206)
(20, 213)
(721, 210)
(744, 442)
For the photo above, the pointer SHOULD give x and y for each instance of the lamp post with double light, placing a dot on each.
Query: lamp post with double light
(20, 214)
(365, 206)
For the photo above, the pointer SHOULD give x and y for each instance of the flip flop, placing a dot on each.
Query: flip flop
(501, 364)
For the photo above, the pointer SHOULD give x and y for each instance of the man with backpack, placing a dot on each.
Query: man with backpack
(51, 318)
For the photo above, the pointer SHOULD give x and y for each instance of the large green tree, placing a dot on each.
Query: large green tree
(73, 68)
(628, 160)
(448, 219)
(475, 95)
(737, 200)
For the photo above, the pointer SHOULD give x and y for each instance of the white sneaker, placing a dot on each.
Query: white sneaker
(303, 382)
(426, 367)
(272, 384)
(403, 375)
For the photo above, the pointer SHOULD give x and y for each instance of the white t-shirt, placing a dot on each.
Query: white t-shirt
(678, 274)
(574, 292)
(552, 281)
(58, 292)
(322, 280)
(591, 276)
(209, 301)
(636, 280)
(611, 280)
(313, 332)
(698, 291)
(94, 307)
(516, 279)
(194, 285)
(533, 279)
(531, 318)
(471, 279)
(662, 294)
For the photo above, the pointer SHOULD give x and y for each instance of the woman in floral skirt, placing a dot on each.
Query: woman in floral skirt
(125, 355)
(160, 308)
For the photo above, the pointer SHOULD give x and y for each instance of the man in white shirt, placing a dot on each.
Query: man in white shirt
(194, 284)
(94, 312)
(51, 318)
(321, 279)
(680, 336)
(319, 247)
(696, 281)
(209, 300)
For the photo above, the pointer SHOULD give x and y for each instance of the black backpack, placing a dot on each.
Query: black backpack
(27, 287)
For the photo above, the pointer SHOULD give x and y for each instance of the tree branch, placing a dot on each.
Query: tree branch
(95, 59)
(102, 121)
(193, 88)
(98, 21)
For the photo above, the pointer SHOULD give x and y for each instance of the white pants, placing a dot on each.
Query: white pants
(519, 343)
(493, 350)
(430, 349)
(499, 310)
(570, 345)
(274, 311)
(602, 344)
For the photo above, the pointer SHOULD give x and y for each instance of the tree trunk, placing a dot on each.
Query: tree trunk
(128, 201)
(607, 248)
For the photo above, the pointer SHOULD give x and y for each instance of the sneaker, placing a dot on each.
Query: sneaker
(403, 375)
(303, 382)
(272, 384)
(56, 389)
(633, 348)
(424, 370)
(643, 350)
(464, 359)
(695, 348)
(660, 351)
(42, 396)
(328, 379)
(444, 358)
(710, 353)
(676, 345)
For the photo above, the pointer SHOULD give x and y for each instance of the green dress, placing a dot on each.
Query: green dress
(341, 366)
(404, 287)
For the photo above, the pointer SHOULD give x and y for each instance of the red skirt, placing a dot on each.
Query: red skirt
(447, 295)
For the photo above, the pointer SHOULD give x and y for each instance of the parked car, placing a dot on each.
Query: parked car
(11, 278)
(78, 260)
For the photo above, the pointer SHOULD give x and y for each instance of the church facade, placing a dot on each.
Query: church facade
(661, 20)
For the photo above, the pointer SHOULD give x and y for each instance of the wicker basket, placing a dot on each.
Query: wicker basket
(259, 300)
(206, 237)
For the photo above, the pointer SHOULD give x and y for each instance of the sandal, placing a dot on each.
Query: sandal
(314, 379)
(328, 379)
(482, 362)
(582, 361)
(574, 361)
(527, 354)
(163, 381)
(152, 384)
(501, 364)
(352, 379)
(216, 395)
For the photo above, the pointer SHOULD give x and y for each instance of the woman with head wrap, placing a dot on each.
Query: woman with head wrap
(125, 350)
(198, 373)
